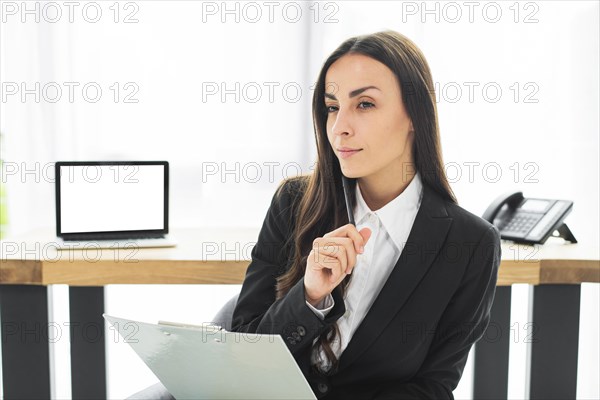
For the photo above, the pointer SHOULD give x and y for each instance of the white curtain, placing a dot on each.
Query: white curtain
(176, 72)
(226, 104)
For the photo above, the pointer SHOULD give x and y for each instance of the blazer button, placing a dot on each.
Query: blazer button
(296, 336)
(323, 388)
(301, 331)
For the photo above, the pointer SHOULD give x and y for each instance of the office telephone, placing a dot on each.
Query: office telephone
(531, 221)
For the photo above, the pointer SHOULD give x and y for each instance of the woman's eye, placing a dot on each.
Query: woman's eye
(363, 105)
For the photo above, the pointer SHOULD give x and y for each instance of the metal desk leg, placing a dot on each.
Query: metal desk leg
(490, 380)
(555, 341)
(25, 351)
(88, 353)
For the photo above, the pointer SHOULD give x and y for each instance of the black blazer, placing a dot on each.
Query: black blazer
(414, 341)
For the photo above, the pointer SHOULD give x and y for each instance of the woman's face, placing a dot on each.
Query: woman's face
(366, 112)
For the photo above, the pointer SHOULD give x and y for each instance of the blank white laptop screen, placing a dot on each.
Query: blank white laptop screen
(112, 198)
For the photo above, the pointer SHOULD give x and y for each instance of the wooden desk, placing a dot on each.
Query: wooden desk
(220, 256)
(556, 271)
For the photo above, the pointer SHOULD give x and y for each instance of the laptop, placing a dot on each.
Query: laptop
(206, 362)
(112, 204)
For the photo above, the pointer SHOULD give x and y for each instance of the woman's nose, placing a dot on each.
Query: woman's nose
(342, 124)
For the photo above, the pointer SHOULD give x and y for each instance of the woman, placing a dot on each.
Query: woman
(388, 308)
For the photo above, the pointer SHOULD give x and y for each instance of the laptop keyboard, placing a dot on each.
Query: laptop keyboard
(166, 241)
(111, 236)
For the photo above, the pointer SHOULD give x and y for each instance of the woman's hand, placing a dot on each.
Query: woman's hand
(332, 257)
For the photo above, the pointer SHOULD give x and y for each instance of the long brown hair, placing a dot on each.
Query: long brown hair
(321, 208)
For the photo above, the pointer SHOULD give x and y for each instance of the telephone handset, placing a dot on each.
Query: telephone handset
(530, 221)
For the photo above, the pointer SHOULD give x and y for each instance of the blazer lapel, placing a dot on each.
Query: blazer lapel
(426, 237)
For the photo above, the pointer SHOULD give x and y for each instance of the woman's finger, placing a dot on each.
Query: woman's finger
(337, 252)
(351, 232)
(342, 246)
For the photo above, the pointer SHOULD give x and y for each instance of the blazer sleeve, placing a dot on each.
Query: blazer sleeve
(463, 323)
(257, 310)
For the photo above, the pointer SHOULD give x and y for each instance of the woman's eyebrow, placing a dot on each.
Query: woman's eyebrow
(353, 93)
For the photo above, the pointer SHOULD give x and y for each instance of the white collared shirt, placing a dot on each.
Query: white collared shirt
(390, 227)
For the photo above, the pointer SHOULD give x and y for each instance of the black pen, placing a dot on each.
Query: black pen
(346, 185)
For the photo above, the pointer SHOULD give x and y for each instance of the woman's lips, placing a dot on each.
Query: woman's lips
(348, 153)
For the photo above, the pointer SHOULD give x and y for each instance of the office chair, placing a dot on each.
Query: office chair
(224, 316)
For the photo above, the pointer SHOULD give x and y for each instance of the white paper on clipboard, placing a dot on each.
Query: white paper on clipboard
(206, 362)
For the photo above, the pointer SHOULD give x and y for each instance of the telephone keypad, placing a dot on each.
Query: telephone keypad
(521, 223)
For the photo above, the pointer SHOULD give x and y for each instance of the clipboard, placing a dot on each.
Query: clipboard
(207, 362)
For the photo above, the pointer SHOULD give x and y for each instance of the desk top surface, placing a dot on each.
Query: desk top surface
(221, 256)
